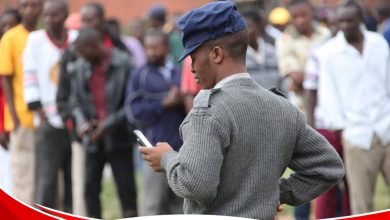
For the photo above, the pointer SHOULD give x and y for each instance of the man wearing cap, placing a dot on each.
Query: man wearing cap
(294, 45)
(279, 19)
(239, 138)
(157, 18)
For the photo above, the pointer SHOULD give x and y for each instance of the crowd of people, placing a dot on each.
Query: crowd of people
(72, 93)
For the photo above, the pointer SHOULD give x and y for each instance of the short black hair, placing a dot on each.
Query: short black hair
(13, 12)
(99, 9)
(358, 8)
(87, 36)
(297, 2)
(253, 15)
(61, 3)
(384, 10)
(236, 44)
(158, 12)
(158, 33)
(113, 22)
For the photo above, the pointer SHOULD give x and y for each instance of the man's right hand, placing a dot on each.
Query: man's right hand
(82, 129)
(279, 209)
(86, 128)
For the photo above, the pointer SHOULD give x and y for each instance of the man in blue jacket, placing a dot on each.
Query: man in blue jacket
(155, 104)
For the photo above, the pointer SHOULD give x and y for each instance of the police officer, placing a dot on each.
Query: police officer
(239, 138)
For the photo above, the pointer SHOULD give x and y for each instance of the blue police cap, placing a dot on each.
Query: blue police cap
(211, 21)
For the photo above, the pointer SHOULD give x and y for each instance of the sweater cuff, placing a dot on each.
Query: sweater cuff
(293, 192)
(167, 158)
(34, 105)
(285, 193)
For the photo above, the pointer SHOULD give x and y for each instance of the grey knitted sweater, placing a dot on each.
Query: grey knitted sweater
(238, 141)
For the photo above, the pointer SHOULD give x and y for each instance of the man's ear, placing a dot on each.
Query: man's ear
(217, 55)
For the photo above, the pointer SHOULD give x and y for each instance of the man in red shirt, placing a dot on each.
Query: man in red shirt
(99, 95)
(92, 15)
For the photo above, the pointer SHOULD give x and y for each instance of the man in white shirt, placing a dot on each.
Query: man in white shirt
(40, 77)
(356, 73)
(319, 105)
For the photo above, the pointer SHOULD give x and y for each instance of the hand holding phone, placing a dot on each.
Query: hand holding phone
(141, 139)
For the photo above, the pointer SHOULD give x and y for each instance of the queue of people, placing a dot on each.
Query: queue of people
(70, 99)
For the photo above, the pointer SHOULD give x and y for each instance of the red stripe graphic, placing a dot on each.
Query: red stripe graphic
(61, 214)
(13, 209)
(380, 215)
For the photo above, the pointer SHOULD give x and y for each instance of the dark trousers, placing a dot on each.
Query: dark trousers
(329, 204)
(122, 168)
(302, 212)
(53, 154)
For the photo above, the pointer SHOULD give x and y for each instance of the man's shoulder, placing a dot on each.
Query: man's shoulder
(202, 99)
(284, 38)
(230, 104)
(321, 30)
(290, 32)
(330, 48)
(14, 34)
(119, 57)
(118, 53)
(72, 34)
(136, 72)
(377, 39)
(327, 47)
(246, 90)
(372, 35)
(38, 36)
(80, 64)
(15, 31)
(38, 33)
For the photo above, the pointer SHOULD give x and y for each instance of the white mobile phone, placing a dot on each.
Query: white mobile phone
(141, 139)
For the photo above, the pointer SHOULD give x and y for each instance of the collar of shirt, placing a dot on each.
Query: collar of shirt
(101, 69)
(344, 46)
(107, 41)
(221, 83)
(166, 70)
